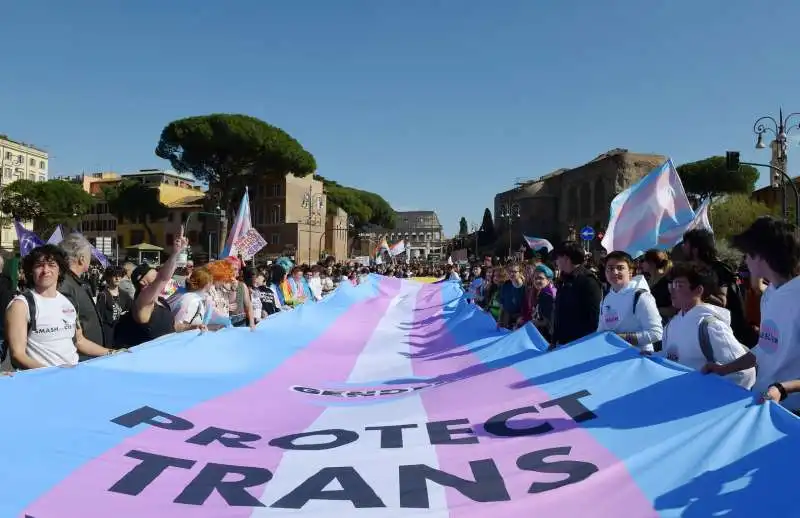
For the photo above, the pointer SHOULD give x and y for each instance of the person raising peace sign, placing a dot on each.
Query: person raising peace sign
(150, 317)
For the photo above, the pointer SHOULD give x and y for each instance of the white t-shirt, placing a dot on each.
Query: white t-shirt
(52, 342)
(778, 349)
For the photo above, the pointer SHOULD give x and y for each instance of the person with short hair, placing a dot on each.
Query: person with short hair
(772, 252)
(56, 337)
(577, 307)
(112, 302)
(700, 332)
(75, 287)
(629, 309)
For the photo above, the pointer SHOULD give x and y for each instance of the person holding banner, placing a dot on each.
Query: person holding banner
(151, 316)
(41, 325)
(772, 252)
(629, 309)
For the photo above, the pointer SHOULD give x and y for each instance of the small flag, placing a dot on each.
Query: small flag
(241, 225)
(537, 243)
(28, 240)
(397, 248)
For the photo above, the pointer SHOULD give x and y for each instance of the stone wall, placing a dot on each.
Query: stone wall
(572, 198)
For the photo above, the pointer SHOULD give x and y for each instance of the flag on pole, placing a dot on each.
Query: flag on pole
(397, 248)
(28, 240)
(700, 221)
(382, 246)
(645, 211)
(241, 225)
(537, 243)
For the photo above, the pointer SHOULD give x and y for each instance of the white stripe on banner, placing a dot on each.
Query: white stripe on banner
(383, 358)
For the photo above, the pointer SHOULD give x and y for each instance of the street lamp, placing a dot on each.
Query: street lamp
(779, 127)
(509, 212)
(315, 203)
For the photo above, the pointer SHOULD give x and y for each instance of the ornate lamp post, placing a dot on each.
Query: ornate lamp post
(315, 204)
(779, 127)
(510, 213)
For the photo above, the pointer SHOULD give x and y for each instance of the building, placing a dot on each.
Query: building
(557, 205)
(771, 196)
(337, 229)
(180, 195)
(421, 229)
(292, 214)
(19, 161)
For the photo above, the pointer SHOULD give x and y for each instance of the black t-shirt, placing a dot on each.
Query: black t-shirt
(660, 292)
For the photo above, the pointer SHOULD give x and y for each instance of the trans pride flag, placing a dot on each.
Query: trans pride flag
(241, 225)
(392, 398)
(647, 210)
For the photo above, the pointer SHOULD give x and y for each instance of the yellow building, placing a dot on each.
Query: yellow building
(19, 161)
(179, 193)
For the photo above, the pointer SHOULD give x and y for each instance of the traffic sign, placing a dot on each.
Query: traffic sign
(587, 233)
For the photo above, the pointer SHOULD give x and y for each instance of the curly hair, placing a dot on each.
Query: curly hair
(199, 279)
(221, 271)
(45, 253)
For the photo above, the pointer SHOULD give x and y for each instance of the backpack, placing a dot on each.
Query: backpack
(636, 296)
(31, 300)
(704, 339)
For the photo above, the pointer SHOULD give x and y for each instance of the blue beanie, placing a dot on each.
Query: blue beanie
(545, 270)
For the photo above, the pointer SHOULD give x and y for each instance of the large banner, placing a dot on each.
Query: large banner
(390, 399)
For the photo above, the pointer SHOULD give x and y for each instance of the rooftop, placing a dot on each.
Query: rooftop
(20, 143)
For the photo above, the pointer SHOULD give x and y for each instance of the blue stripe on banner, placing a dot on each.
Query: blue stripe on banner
(659, 418)
(174, 364)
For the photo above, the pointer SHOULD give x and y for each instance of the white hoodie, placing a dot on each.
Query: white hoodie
(778, 349)
(617, 314)
(682, 341)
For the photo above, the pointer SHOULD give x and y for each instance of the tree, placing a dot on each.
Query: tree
(366, 208)
(709, 177)
(463, 228)
(228, 150)
(48, 204)
(734, 214)
(487, 228)
(133, 201)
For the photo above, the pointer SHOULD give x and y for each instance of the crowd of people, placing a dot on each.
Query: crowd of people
(687, 306)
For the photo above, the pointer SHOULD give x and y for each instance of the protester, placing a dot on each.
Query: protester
(772, 252)
(655, 266)
(191, 308)
(112, 302)
(540, 300)
(512, 295)
(701, 333)
(150, 317)
(577, 307)
(629, 309)
(77, 288)
(41, 325)
(698, 245)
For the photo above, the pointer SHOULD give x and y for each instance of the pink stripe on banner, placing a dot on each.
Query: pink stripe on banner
(266, 407)
(483, 393)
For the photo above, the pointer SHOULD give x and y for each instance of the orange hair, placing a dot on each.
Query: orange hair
(199, 279)
(221, 271)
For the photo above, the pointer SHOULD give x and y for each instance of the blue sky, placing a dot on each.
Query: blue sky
(434, 104)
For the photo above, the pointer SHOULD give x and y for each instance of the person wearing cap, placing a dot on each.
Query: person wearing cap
(150, 316)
